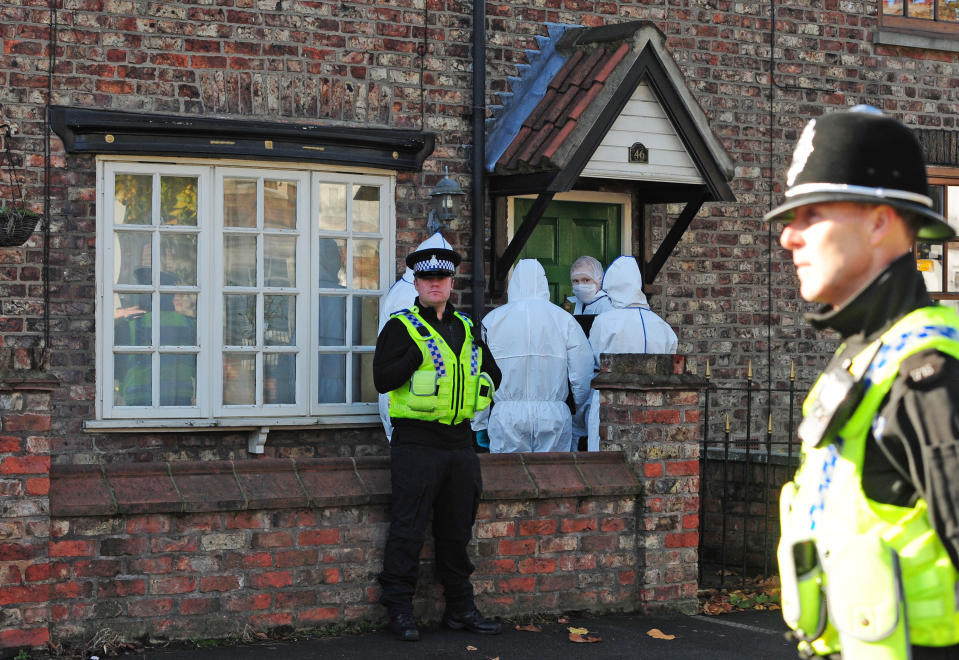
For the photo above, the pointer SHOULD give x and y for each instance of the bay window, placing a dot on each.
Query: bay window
(229, 292)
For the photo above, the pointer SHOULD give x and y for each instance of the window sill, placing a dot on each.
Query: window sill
(227, 424)
(908, 38)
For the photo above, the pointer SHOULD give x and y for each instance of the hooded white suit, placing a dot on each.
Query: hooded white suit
(401, 296)
(539, 347)
(631, 327)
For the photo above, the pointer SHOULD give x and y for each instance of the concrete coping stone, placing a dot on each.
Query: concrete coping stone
(237, 485)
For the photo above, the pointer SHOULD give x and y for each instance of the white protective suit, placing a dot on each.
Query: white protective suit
(401, 296)
(600, 302)
(631, 327)
(539, 347)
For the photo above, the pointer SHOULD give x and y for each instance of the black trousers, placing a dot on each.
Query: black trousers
(448, 481)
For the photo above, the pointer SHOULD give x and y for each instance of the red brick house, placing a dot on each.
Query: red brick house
(188, 435)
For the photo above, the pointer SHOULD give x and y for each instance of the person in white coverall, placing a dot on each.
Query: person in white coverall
(400, 296)
(630, 327)
(588, 297)
(543, 353)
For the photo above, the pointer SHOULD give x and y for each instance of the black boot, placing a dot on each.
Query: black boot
(404, 627)
(473, 621)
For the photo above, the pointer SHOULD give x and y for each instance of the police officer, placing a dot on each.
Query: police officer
(438, 373)
(870, 523)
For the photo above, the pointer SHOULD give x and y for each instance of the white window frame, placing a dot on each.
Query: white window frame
(209, 410)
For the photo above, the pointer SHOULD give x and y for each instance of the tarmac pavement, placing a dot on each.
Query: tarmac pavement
(748, 635)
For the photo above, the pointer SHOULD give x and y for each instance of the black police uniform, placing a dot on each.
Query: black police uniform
(917, 454)
(432, 465)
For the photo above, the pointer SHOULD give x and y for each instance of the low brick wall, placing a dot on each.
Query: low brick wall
(174, 550)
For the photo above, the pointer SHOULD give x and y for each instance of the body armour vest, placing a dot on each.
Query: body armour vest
(446, 388)
(860, 575)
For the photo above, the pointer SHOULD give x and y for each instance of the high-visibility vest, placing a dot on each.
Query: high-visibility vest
(860, 575)
(446, 388)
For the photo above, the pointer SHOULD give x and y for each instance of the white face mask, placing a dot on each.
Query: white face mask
(585, 292)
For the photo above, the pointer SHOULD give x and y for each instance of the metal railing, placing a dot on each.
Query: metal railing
(748, 450)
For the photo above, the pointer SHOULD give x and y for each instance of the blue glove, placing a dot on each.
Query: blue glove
(482, 439)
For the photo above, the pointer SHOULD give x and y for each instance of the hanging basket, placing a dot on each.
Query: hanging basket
(16, 225)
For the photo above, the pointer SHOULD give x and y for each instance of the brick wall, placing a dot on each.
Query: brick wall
(727, 289)
(176, 550)
(26, 584)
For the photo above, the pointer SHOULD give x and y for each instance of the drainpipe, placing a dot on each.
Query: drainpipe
(478, 185)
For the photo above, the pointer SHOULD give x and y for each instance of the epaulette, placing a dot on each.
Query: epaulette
(923, 369)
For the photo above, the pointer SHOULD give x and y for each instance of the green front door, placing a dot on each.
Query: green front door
(567, 231)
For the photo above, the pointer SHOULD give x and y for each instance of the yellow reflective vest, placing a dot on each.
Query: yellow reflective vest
(859, 575)
(446, 388)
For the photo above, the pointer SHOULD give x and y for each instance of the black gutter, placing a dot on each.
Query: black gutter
(477, 187)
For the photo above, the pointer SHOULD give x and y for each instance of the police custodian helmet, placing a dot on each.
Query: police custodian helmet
(861, 155)
(433, 260)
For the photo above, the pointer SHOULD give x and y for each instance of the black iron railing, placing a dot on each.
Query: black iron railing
(748, 451)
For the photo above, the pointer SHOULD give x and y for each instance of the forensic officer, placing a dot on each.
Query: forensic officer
(438, 373)
(870, 523)
(629, 327)
(544, 356)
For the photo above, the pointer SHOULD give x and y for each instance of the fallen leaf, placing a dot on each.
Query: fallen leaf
(562, 619)
(577, 631)
(530, 628)
(471, 648)
(659, 634)
(588, 639)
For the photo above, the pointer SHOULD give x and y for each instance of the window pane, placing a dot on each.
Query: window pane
(279, 320)
(239, 320)
(929, 264)
(332, 320)
(952, 200)
(332, 205)
(363, 389)
(133, 379)
(239, 202)
(366, 264)
(279, 253)
(892, 7)
(279, 378)
(365, 320)
(132, 320)
(948, 10)
(178, 200)
(178, 380)
(133, 199)
(332, 260)
(239, 379)
(179, 258)
(178, 319)
(919, 8)
(331, 378)
(239, 260)
(952, 277)
(133, 249)
(366, 208)
(279, 204)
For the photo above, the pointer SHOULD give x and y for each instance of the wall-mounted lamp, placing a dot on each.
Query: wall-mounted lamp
(445, 202)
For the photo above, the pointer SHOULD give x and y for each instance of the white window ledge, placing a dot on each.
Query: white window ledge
(230, 424)
(905, 39)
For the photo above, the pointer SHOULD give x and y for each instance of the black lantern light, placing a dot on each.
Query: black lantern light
(445, 202)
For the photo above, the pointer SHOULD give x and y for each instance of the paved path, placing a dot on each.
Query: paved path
(736, 636)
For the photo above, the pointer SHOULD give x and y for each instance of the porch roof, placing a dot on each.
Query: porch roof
(564, 104)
